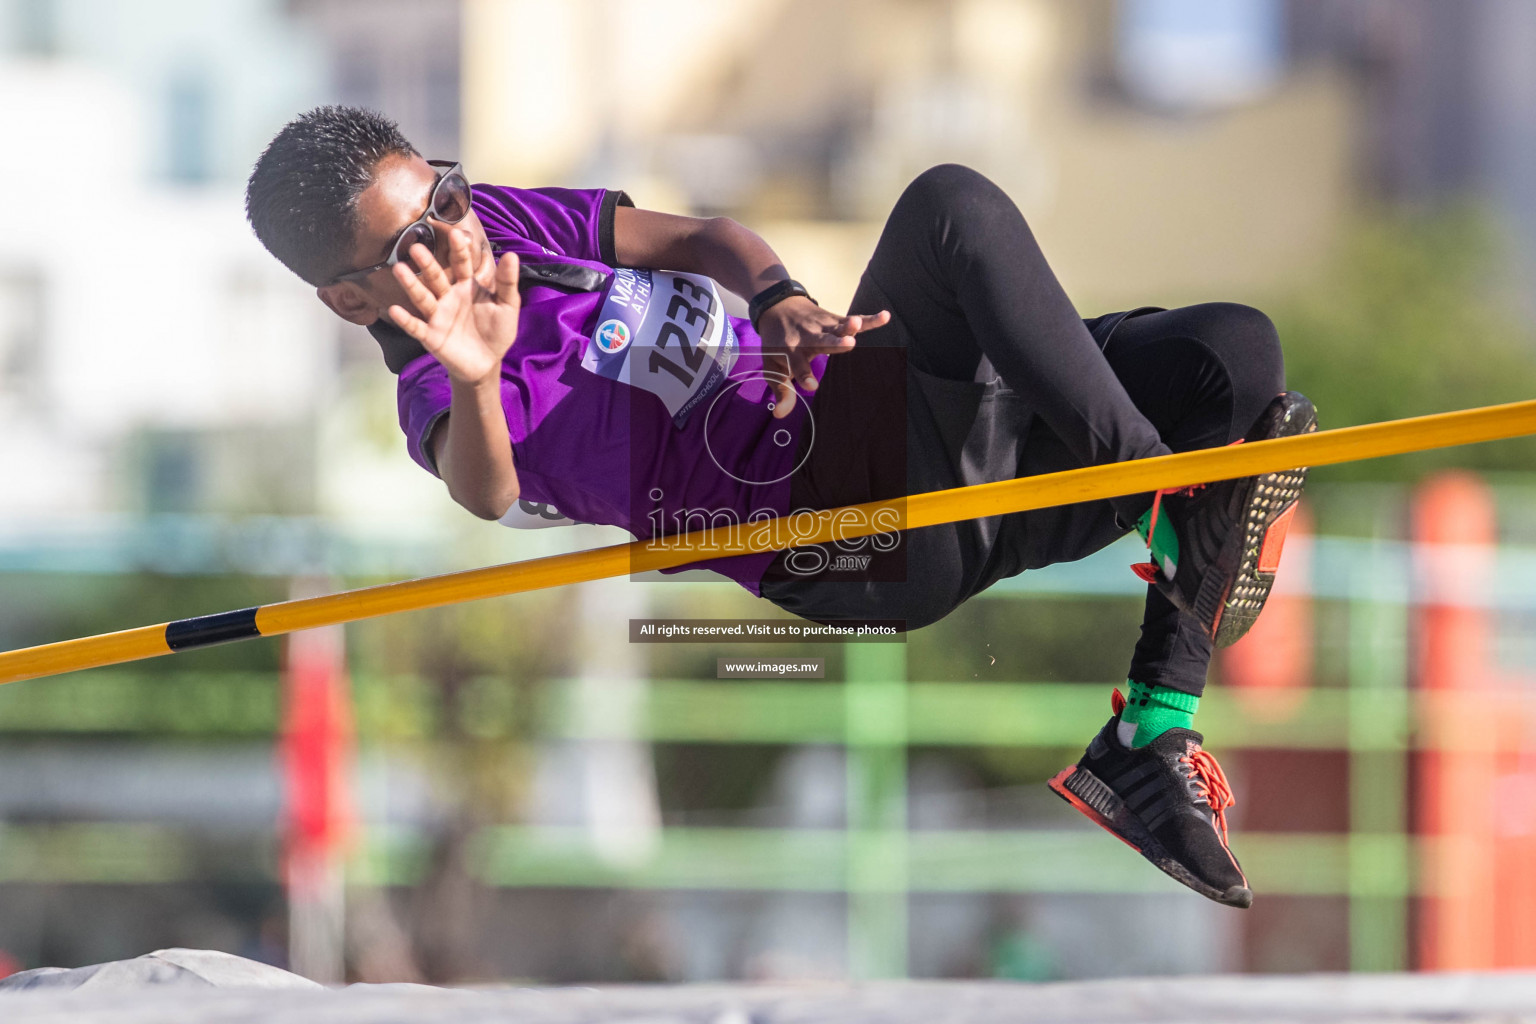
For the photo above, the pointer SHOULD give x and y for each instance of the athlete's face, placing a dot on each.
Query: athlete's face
(401, 189)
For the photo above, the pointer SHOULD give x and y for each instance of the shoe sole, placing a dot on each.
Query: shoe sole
(1269, 504)
(1102, 806)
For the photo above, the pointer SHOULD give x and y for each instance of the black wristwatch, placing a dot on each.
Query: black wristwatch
(773, 294)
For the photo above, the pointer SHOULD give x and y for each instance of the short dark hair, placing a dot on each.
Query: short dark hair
(301, 198)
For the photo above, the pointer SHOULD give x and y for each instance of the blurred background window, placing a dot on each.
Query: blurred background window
(35, 27)
(21, 333)
(188, 106)
(1192, 55)
(357, 76)
(440, 90)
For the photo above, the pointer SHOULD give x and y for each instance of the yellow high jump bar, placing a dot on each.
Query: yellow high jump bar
(1095, 483)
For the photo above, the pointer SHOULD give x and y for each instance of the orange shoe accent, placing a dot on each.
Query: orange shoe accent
(1157, 507)
(1274, 541)
(1145, 571)
(1058, 785)
(1211, 783)
(1116, 702)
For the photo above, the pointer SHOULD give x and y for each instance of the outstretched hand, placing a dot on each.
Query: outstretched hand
(795, 331)
(467, 319)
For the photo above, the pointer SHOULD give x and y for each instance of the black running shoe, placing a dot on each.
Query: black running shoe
(1231, 533)
(1166, 800)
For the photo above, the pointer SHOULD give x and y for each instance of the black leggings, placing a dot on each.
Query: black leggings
(983, 334)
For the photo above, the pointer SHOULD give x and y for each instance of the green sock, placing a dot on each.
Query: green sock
(1164, 545)
(1153, 710)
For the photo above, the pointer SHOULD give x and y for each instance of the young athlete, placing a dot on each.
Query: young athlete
(564, 356)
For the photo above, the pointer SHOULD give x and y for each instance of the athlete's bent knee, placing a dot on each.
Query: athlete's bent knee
(1250, 339)
(956, 190)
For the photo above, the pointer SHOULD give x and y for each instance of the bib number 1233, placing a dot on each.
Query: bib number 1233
(665, 333)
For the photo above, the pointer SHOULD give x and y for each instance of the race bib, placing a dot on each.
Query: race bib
(534, 515)
(666, 333)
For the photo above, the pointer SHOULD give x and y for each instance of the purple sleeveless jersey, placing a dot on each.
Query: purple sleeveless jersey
(641, 406)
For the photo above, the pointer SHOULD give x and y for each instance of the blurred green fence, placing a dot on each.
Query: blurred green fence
(876, 713)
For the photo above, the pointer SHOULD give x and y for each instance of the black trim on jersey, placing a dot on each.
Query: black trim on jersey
(399, 348)
(607, 252)
(424, 442)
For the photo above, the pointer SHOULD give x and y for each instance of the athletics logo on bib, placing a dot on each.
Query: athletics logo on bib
(612, 335)
(665, 333)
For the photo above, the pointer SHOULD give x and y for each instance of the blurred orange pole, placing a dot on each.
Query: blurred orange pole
(316, 753)
(1453, 525)
(1515, 800)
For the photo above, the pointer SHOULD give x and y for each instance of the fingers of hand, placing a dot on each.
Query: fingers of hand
(801, 370)
(420, 296)
(431, 272)
(784, 399)
(411, 325)
(506, 282)
(485, 268)
(460, 255)
(854, 323)
(783, 371)
(830, 340)
(776, 375)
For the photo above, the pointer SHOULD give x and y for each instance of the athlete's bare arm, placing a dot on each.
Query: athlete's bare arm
(795, 330)
(471, 322)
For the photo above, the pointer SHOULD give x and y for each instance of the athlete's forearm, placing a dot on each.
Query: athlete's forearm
(735, 256)
(718, 247)
(474, 450)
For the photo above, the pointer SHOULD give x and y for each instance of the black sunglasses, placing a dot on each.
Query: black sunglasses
(448, 203)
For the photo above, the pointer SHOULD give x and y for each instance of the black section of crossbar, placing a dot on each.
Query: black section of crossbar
(207, 630)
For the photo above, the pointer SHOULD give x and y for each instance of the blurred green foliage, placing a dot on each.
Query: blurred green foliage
(1414, 315)
(38, 608)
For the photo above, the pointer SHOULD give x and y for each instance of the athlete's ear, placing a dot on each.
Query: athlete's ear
(349, 302)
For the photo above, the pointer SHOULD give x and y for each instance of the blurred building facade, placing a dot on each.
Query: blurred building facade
(143, 329)
(153, 359)
(1054, 100)
(1446, 93)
